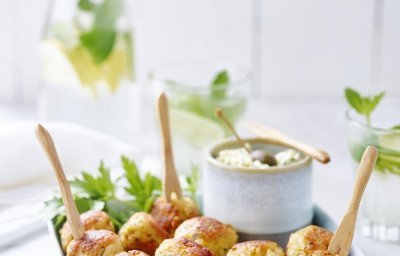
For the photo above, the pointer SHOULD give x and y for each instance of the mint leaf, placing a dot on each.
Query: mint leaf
(220, 84)
(363, 105)
(99, 43)
(101, 39)
(396, 127)
(86, 5)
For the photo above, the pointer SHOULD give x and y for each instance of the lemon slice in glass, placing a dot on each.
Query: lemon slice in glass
(56, 67)
(194, 129)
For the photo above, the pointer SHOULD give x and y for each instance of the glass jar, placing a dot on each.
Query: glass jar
(379, 215)
(193, 97)
(87, 67)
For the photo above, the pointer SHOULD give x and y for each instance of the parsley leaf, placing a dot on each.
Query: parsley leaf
(96, 187)
(144, 190)
(192, 181)
(362, 104)
(220, 84)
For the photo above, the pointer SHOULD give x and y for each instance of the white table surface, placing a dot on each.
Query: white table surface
(317, 121)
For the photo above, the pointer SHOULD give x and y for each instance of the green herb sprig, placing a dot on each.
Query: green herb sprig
(220, 84)
(144, 190)
(364, 105)
(98, 192)
(100, 40)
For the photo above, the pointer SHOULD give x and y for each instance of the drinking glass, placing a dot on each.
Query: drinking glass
(379, 215)
(87, 67)
(193, 99)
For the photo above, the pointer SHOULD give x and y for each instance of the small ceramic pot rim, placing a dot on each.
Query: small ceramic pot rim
(305, 161)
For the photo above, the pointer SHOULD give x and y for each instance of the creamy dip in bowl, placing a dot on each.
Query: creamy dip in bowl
(256, 198)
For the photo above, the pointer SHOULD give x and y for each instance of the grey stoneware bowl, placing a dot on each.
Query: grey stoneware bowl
(258, 201)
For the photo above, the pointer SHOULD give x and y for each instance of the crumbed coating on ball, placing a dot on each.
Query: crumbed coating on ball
(307, 240)
(142, 233)
(95, 243)
(211, 233)
(132, 253)
(182, 247)
(171, 214)
(256, 248)
(91, 220)
(321, 253)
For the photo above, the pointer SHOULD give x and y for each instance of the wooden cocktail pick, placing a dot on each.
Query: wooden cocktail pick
(281, 138)
(170, 177)
(341, 240)
(71, 211)
(220, 114)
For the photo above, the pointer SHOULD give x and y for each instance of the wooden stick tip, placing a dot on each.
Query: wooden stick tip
(219, 113)
(40, 130)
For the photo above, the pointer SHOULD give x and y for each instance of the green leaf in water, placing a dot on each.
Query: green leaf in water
(362, 104)
(100, 40)
(86, 5)
(220, 84)
(396, 127)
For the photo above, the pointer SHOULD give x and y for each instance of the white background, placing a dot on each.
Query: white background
(309, 47)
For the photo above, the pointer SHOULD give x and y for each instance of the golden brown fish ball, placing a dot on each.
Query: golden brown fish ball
(210, 233)
(142, 233)
(171, 214)
(256, 248)
(132, 253)
(91, 220)
(308, 240)
(96, 243)
(182, 247)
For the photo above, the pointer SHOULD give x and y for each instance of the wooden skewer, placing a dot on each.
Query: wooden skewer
(341, 240)
(170, 177)
(220, 114)
(281, 138)
(71, 211)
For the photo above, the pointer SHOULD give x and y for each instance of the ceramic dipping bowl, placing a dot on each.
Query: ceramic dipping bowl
(258, 201)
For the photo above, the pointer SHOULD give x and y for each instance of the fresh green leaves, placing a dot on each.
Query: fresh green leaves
(99, 192)
(86, 5)
(396, 127)
(95, 187)
(363, 105)
(220, 84)
(192, 181)
(100, 40)
(144, 190)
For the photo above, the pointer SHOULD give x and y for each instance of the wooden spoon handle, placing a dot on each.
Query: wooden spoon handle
(281, 138)
(170, 177)
(71, 211)
(342, 239)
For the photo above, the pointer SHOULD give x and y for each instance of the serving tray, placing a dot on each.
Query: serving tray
(321, 218)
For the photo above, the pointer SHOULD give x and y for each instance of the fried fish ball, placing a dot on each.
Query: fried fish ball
(307, 240)
(322, 253)
(181, 247)
(96, 243)
(210, 233)
(132, 253)
(171, 214)
(91, 220)
(256, 248)
(143, 233)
